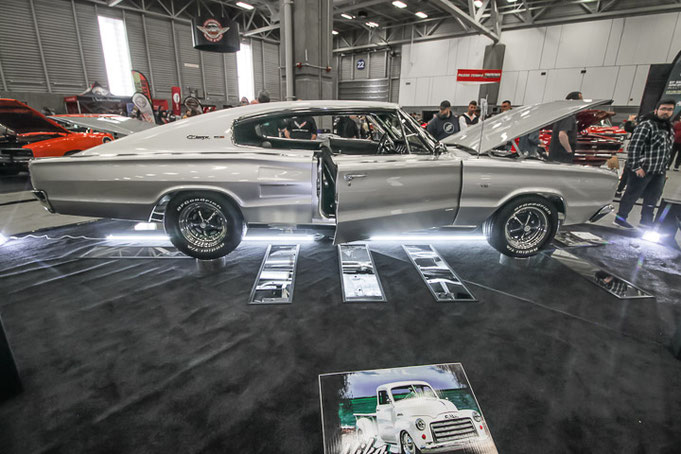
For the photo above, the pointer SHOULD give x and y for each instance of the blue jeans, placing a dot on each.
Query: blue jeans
(650, 187)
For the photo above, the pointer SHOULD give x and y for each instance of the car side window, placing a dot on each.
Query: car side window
(383, 398)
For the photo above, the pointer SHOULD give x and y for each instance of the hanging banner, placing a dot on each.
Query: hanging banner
(485, 76)
(215, 34)
(143, 104)
(141, 83)
(177, 100)
(672, 89)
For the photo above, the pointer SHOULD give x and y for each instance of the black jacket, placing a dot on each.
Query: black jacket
(441, 128)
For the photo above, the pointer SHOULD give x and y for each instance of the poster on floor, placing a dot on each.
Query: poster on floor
(402, 410)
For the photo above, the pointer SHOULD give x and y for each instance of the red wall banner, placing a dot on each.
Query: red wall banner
(478, 75)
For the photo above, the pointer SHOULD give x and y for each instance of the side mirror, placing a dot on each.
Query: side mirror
(440, 148)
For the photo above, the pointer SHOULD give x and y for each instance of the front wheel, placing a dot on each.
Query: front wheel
(407, 444)
(205, 226)
(523, 227)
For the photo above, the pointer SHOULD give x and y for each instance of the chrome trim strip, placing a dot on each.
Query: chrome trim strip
(277, 275)
(605, 209)
(359, 280)
(438, 276)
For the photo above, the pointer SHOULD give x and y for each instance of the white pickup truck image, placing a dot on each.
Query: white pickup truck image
(412, 418)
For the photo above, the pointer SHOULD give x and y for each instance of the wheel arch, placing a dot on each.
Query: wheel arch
(554, 198)
(158, 209)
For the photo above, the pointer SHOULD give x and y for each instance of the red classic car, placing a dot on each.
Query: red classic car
(598, 139)
(25, 134)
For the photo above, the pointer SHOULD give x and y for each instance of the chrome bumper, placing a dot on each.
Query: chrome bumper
(605, 209)
(42, 198)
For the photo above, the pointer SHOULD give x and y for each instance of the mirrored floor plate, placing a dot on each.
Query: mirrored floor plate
(360, 282)
(439, 277)
(579, 239)
(604, 279)
(133, 252)
(277, 275)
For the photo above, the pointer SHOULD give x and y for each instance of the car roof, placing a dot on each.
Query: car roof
(397, 384)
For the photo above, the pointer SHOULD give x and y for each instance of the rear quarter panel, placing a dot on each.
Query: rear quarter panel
(57, 146)
(488, 183)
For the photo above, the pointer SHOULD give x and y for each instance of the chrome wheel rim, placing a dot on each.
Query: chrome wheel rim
(527, 228)
(203, 224)
(407, 444)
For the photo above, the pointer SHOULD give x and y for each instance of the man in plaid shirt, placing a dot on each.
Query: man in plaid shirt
(649, 150)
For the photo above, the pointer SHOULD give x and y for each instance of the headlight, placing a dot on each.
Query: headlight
(477, 416)
(420, 424)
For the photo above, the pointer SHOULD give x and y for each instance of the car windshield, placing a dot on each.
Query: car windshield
(411, 392)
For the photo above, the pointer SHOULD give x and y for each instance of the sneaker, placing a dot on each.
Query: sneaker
(676, 169)
(618, 194)
(622, 222)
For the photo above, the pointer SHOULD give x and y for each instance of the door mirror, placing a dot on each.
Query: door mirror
(440, 148)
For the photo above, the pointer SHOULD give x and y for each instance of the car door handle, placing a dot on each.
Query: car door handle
(351, 176)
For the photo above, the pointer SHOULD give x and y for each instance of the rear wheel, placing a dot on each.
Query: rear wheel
(203, 225)
(523, 227)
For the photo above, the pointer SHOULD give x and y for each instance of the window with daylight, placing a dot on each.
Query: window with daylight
(244, 68)
(116, 55)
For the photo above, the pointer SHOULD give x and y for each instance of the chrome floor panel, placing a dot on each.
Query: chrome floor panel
(609, 282)
(359, 280)
(133, 252)
(579, 239)
(439, 277)
(276, 278)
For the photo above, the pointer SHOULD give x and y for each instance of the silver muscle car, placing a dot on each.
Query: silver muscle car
(363, 167)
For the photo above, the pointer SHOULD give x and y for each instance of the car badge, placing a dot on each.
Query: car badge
(212, 30)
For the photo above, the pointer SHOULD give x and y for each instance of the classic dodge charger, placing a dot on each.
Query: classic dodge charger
(210, 177)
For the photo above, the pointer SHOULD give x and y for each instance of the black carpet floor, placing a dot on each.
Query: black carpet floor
(155, 356)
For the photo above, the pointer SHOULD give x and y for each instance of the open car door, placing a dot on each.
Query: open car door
(394, 193)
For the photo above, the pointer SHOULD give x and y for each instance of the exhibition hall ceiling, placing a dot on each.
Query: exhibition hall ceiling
(425, 19)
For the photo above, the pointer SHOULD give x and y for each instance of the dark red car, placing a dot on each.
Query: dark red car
(598, 139)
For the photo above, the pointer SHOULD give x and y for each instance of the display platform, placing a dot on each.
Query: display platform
(157, 353)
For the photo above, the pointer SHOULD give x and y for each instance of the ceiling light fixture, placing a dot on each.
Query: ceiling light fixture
(511, 1)
(245, 5)
(346, 16)
(399, 4)
(478, 3)
(421, 15)
(334, 32)
(371, 24)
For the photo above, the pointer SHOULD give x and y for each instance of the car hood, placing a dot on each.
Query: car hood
(500, 129)
(590, 117)
(22, 119)
(115, 124)
(425, 406)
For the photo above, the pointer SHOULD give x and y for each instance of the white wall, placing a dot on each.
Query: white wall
(603, 59)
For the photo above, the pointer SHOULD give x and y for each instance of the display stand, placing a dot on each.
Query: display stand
(211, 266)
(10, 384)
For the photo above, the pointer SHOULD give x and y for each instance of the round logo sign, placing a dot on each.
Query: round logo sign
(176, 97)
(212, 30)
(448, 127)
(361, 64)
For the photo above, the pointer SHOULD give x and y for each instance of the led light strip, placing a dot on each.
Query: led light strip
(428, 238)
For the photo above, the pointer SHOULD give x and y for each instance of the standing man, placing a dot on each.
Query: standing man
(303, 128)
(505, 106)
(677, 145)
(649, 151)
(564, 135)
(444, 123)
(469, 118)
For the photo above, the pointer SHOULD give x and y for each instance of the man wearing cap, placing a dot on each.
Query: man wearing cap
(444, 123)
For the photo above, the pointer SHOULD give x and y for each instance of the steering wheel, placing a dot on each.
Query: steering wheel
(386, 144)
